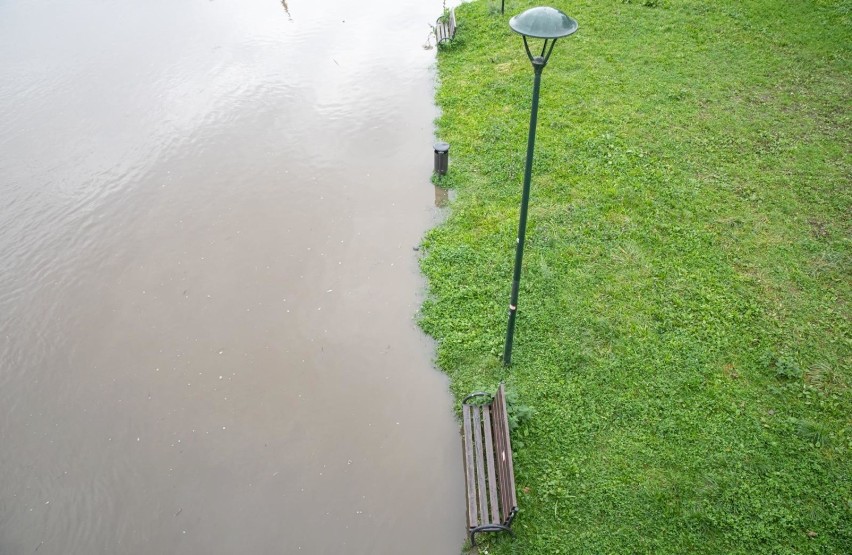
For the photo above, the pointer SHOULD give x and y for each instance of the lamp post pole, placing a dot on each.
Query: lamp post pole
(548, 24)
(522, 223)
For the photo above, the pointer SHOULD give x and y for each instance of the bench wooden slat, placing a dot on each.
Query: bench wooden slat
(468, 465)
(510, 470)
(480, 465)
(489, 459)
(504, 455)
(499, 455)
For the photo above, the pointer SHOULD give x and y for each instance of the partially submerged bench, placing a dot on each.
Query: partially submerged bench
(445, 27)
(489, 475)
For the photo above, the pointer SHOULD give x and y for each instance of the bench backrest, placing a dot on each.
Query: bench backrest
(503, 455)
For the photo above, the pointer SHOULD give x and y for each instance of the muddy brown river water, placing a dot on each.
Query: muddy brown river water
(208, 210)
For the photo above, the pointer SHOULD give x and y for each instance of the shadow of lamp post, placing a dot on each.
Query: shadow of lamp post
(536, 23)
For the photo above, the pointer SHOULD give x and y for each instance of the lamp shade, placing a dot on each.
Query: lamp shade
(543, 23)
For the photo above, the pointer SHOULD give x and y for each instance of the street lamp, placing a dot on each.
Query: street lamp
(538, 23)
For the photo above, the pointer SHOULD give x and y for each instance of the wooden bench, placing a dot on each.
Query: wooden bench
(489, 475)
(445, 27)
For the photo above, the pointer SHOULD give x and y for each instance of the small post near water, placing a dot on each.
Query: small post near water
(538, 23)
(442, 157)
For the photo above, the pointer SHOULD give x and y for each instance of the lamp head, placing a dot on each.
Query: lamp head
(545, 23)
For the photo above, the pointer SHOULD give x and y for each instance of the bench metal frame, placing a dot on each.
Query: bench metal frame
(489, 473)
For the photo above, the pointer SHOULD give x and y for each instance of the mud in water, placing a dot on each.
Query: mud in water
(207, 230)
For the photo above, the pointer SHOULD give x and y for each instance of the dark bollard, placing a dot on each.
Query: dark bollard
(442, 158)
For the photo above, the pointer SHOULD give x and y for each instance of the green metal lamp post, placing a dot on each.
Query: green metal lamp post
(539, 23)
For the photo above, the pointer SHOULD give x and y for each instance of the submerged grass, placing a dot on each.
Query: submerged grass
(683, 332)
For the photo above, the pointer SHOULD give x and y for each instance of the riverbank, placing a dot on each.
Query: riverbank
(683, 333)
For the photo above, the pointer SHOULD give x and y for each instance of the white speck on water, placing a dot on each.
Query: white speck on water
(220, 377)
(138, 439)
(330, 290)
(221, 352)
(224, 428)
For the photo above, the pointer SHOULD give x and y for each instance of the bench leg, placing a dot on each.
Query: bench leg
(488, 528)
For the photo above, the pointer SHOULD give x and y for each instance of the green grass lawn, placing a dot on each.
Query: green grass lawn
(683, 334)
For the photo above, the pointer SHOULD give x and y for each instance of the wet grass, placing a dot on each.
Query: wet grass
(684, 328)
